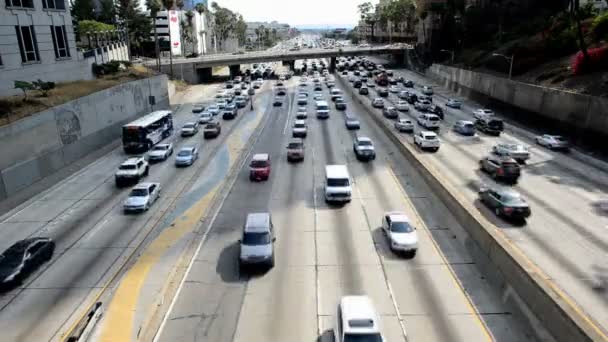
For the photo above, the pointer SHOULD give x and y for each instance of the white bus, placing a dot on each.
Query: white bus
(147, 131)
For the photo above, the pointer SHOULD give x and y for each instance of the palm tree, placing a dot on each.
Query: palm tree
(200, 8)
(155, 6)
(168, 6)
(575, 13)
(190, 33)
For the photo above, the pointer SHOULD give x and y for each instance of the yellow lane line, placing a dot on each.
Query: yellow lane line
(118, 325)
(468, 300)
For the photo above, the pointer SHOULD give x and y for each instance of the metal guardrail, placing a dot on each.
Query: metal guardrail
(85, 327)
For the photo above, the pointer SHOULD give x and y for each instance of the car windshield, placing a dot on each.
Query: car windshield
(184, 153)
(497, 124)
(558, 138)
(13, 255)
(429, 137)
(362, 338)
(401, 227)
(511, 198)
(294, 146)
(127, 167)
(299, 125)
(160, 148)
(253, 239)
(337, 182)
(468, 125)
(433, 118)
(259, 163)
(139, 193)
(189, 126)
(365, 143)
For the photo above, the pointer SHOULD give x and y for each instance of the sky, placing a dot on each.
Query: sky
(317, 13)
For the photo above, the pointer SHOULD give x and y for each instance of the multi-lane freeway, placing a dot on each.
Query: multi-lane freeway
(172, 274)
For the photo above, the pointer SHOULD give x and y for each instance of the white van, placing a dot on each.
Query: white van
(357, 320)
(257, 241)
(337, 184)
(322, 110)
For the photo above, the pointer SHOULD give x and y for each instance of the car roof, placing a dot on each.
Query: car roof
(359, 310)
(186, 148)
(428, 133)
(464, 122)
(144, 185)
(363, 139)
(257, 222)
(260, 157)
(398, 216)
(132, 160)
(507, 191)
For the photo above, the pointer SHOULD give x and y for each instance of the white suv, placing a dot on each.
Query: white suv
(427, 140)
(132, 170)
(429, 121)
(357, 320)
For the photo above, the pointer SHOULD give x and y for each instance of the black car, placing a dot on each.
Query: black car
(382, 92)
(358, 84)
(212, 130)
(490, 126)
(23, 258)
(501, 168)
(411, 98)
(505, 203)
(392, 81)
(408, 84)
(340, 104)
(363, 91)
(278, 101)
(437, 111)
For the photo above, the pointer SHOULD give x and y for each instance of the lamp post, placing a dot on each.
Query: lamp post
(451, 52)
(510, 59)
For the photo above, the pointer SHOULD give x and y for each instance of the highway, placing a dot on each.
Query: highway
(566, 234)
(324, 252)
(83, 214)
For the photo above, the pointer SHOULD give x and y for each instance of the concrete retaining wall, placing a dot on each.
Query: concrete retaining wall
(35, 147)
(557, 313)
(581, 117)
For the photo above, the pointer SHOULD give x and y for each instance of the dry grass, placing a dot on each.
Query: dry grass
(13, 108)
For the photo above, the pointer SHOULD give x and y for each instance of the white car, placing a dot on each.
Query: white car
(404, 125)
(378, 103)
(142, 197)
(554, 142)
(516, 151)
(189, 129)
(299, 129)
(364, 148)
(302, 114)
(205, 117)
(429, 121)
(393, 89)
(351, 122)
(402, 106)
(400, 233)
(427, 90)
(160, 152)
(482, 113)
(427, 140)
(213, 109)
(453, 103)
(197, 108)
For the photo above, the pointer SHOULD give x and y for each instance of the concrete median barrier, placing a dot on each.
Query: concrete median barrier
(555, 311)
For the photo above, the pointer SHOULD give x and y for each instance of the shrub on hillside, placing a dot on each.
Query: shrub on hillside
(599, 27)
(598, 60)
(111, 67)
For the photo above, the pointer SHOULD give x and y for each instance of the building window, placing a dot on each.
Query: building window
(60, 42)
(28, 46)
(54, 4)
(20, 3)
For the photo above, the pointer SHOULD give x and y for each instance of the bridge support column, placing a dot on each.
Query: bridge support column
(204, 75)
(399, 59)
(291, 64)
(235, 70)
(332, 64)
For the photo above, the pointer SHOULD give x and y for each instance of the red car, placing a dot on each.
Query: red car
(259, 168)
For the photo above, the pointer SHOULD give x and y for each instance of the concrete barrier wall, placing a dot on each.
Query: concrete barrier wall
(557, 313)
(35, 147)
(584, 116)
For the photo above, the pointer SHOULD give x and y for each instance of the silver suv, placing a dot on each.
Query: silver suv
(132, 170)
(257, 243)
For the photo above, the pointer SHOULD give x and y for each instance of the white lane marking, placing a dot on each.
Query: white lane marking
(289, 112)
(205, 235)
(317, 281)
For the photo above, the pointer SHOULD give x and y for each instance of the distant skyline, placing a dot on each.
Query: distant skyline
(307, 14)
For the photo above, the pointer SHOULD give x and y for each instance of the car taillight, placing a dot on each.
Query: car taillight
(500, 172)
(508, 210)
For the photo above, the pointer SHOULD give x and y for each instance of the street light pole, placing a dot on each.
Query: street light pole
(510, 59)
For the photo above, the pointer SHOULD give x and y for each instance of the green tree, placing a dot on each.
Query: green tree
(575, 13)
(82, 10)
(240, 29)
(224, 23)
(108, 12)
(200, 8)
(135, 21)
(369, 16)
(154, 6)
(85, 26)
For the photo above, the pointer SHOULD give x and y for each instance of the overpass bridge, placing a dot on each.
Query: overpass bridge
(196, 70)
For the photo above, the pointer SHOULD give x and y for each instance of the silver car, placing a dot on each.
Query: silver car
(160, 152)
(142, 197)
(186, 156)
(554, 142)
(404, 125)
(516, 151)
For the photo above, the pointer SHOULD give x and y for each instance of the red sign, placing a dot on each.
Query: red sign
(176, 44)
